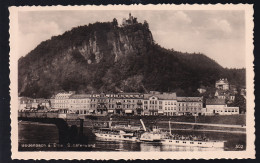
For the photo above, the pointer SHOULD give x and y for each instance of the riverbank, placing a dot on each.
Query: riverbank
(227, 123)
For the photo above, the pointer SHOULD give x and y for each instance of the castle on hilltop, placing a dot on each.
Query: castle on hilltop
(130, 21)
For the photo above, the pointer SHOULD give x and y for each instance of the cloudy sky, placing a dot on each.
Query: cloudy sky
(217, 34)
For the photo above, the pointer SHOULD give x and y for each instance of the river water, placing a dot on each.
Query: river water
(41, 134)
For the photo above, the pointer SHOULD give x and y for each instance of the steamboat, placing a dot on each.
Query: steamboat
(193, 141)
(126, 133)
(138, 134)
(155, 135)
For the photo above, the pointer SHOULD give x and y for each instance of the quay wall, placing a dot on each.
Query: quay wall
(150, 121)
(217, 119)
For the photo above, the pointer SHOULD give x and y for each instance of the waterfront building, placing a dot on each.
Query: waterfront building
(222, 84)
(215, 106)
(189, 105)
(25, 103)
(218, 106)
(79, 103)
(157, 103)
(102, 102)
(129, 103)
(61, 101)
(30, 103)
(111, 103)
(93, 103)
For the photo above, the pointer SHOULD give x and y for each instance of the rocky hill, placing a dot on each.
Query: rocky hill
(105, 57)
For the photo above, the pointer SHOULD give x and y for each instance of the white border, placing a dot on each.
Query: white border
(250, 138)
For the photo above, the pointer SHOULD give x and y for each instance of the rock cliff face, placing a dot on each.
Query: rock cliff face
(51, 66)
(104, 57)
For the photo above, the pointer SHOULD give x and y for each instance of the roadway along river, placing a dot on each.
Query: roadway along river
(38, 133)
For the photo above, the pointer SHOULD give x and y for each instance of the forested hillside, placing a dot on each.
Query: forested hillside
(105, 57)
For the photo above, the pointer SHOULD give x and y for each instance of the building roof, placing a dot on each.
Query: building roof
(215, 101)
(79, 96)
(163, 96)
(189, 99)
(222, 81)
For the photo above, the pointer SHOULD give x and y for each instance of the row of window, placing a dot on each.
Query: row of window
(190, 104)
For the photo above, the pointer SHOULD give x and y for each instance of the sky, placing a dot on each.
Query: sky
(218, 34)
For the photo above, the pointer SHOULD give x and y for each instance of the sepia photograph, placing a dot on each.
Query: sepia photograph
(144, 79)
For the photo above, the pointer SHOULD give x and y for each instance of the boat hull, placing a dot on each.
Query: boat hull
(116, 137)
(205, 144)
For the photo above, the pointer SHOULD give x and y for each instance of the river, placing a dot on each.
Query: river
(39, 133)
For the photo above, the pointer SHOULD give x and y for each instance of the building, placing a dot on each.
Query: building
(215, 106)
(157, 103)
(227, 95)
(202, 89)
(222, 84)
(218, 106)
(79, 103)
(243, 92)
(25, 103)
(189, 105)
(129, 103)
(29, 103)
(61, 101)
(130, 21)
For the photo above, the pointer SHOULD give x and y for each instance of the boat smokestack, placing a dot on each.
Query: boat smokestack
(110, 123)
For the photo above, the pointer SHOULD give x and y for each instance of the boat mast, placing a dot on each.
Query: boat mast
(143, 124)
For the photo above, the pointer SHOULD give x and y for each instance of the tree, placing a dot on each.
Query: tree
(240, 102)
(146, 25)
(115, 23)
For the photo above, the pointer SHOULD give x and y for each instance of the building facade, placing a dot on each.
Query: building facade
(61, 101)
(159, 104)
(218, 106)
(79, 103)
(153, 103)
(189, 105)
(222, 84)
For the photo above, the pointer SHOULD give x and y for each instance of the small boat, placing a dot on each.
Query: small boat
(191, 141)
(108, 133)
(116, 133)
(127, 127)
